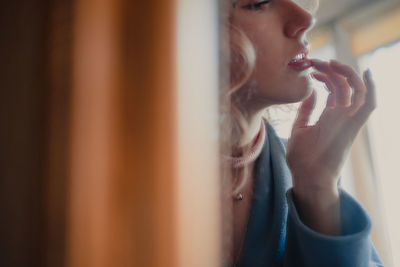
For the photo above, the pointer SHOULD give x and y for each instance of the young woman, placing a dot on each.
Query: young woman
(288, 207)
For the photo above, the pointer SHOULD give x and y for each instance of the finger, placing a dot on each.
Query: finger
(331, 101)
(371, 89)
(362, 114)
(305, 111)
(343, 92)
(359, 88)
(320, 65)
(370, 97)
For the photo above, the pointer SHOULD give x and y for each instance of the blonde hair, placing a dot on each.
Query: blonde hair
(235, 49)
(242, 54)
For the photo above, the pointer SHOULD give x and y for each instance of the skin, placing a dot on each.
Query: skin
(315, 154)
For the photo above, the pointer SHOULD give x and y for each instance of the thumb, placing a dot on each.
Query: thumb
(305, 111)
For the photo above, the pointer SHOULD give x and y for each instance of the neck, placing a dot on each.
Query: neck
(247, 136)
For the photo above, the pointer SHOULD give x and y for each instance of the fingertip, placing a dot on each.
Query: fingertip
(368, 76)
(319, 63)
(308, 104)
(316, 61)
(365, 76)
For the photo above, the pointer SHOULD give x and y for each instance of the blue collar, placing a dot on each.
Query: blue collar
(266, 230)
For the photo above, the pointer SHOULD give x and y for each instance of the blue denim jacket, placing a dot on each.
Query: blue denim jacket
(277, 237)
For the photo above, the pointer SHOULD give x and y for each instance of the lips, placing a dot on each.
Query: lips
(300, 61)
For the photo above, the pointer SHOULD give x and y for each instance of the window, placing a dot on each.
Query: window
(385, 131)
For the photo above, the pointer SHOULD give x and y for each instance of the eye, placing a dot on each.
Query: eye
(257, 5)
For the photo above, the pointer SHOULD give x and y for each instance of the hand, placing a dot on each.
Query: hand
(316, 153)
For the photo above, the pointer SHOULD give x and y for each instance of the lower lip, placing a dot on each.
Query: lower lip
(301, 65)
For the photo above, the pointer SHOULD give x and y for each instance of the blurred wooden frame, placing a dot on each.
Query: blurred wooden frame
(132, 199)
(110, 140)
(121, 212)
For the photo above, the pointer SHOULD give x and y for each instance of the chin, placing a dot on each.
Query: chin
(291, 91)
(297, 93)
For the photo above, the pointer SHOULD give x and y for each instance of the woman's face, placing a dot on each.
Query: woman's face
(277, 31)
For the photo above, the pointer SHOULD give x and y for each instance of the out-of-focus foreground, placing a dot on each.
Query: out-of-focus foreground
(89, 142)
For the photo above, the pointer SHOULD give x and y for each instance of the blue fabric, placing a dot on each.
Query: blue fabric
(277, 237)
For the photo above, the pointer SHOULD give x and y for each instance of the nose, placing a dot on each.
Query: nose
(298, 20)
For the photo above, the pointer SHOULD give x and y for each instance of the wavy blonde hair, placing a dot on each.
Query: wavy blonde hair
(235, 49)
(238, 51)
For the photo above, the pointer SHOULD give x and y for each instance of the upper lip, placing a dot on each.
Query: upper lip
(302, 51)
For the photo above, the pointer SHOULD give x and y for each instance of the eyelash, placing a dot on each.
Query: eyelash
(257, 6)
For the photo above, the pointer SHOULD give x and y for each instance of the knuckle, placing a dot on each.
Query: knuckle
(353, 74)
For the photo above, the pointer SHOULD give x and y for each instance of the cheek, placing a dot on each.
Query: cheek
(270, 66)
(270, 50)
(267, 62)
